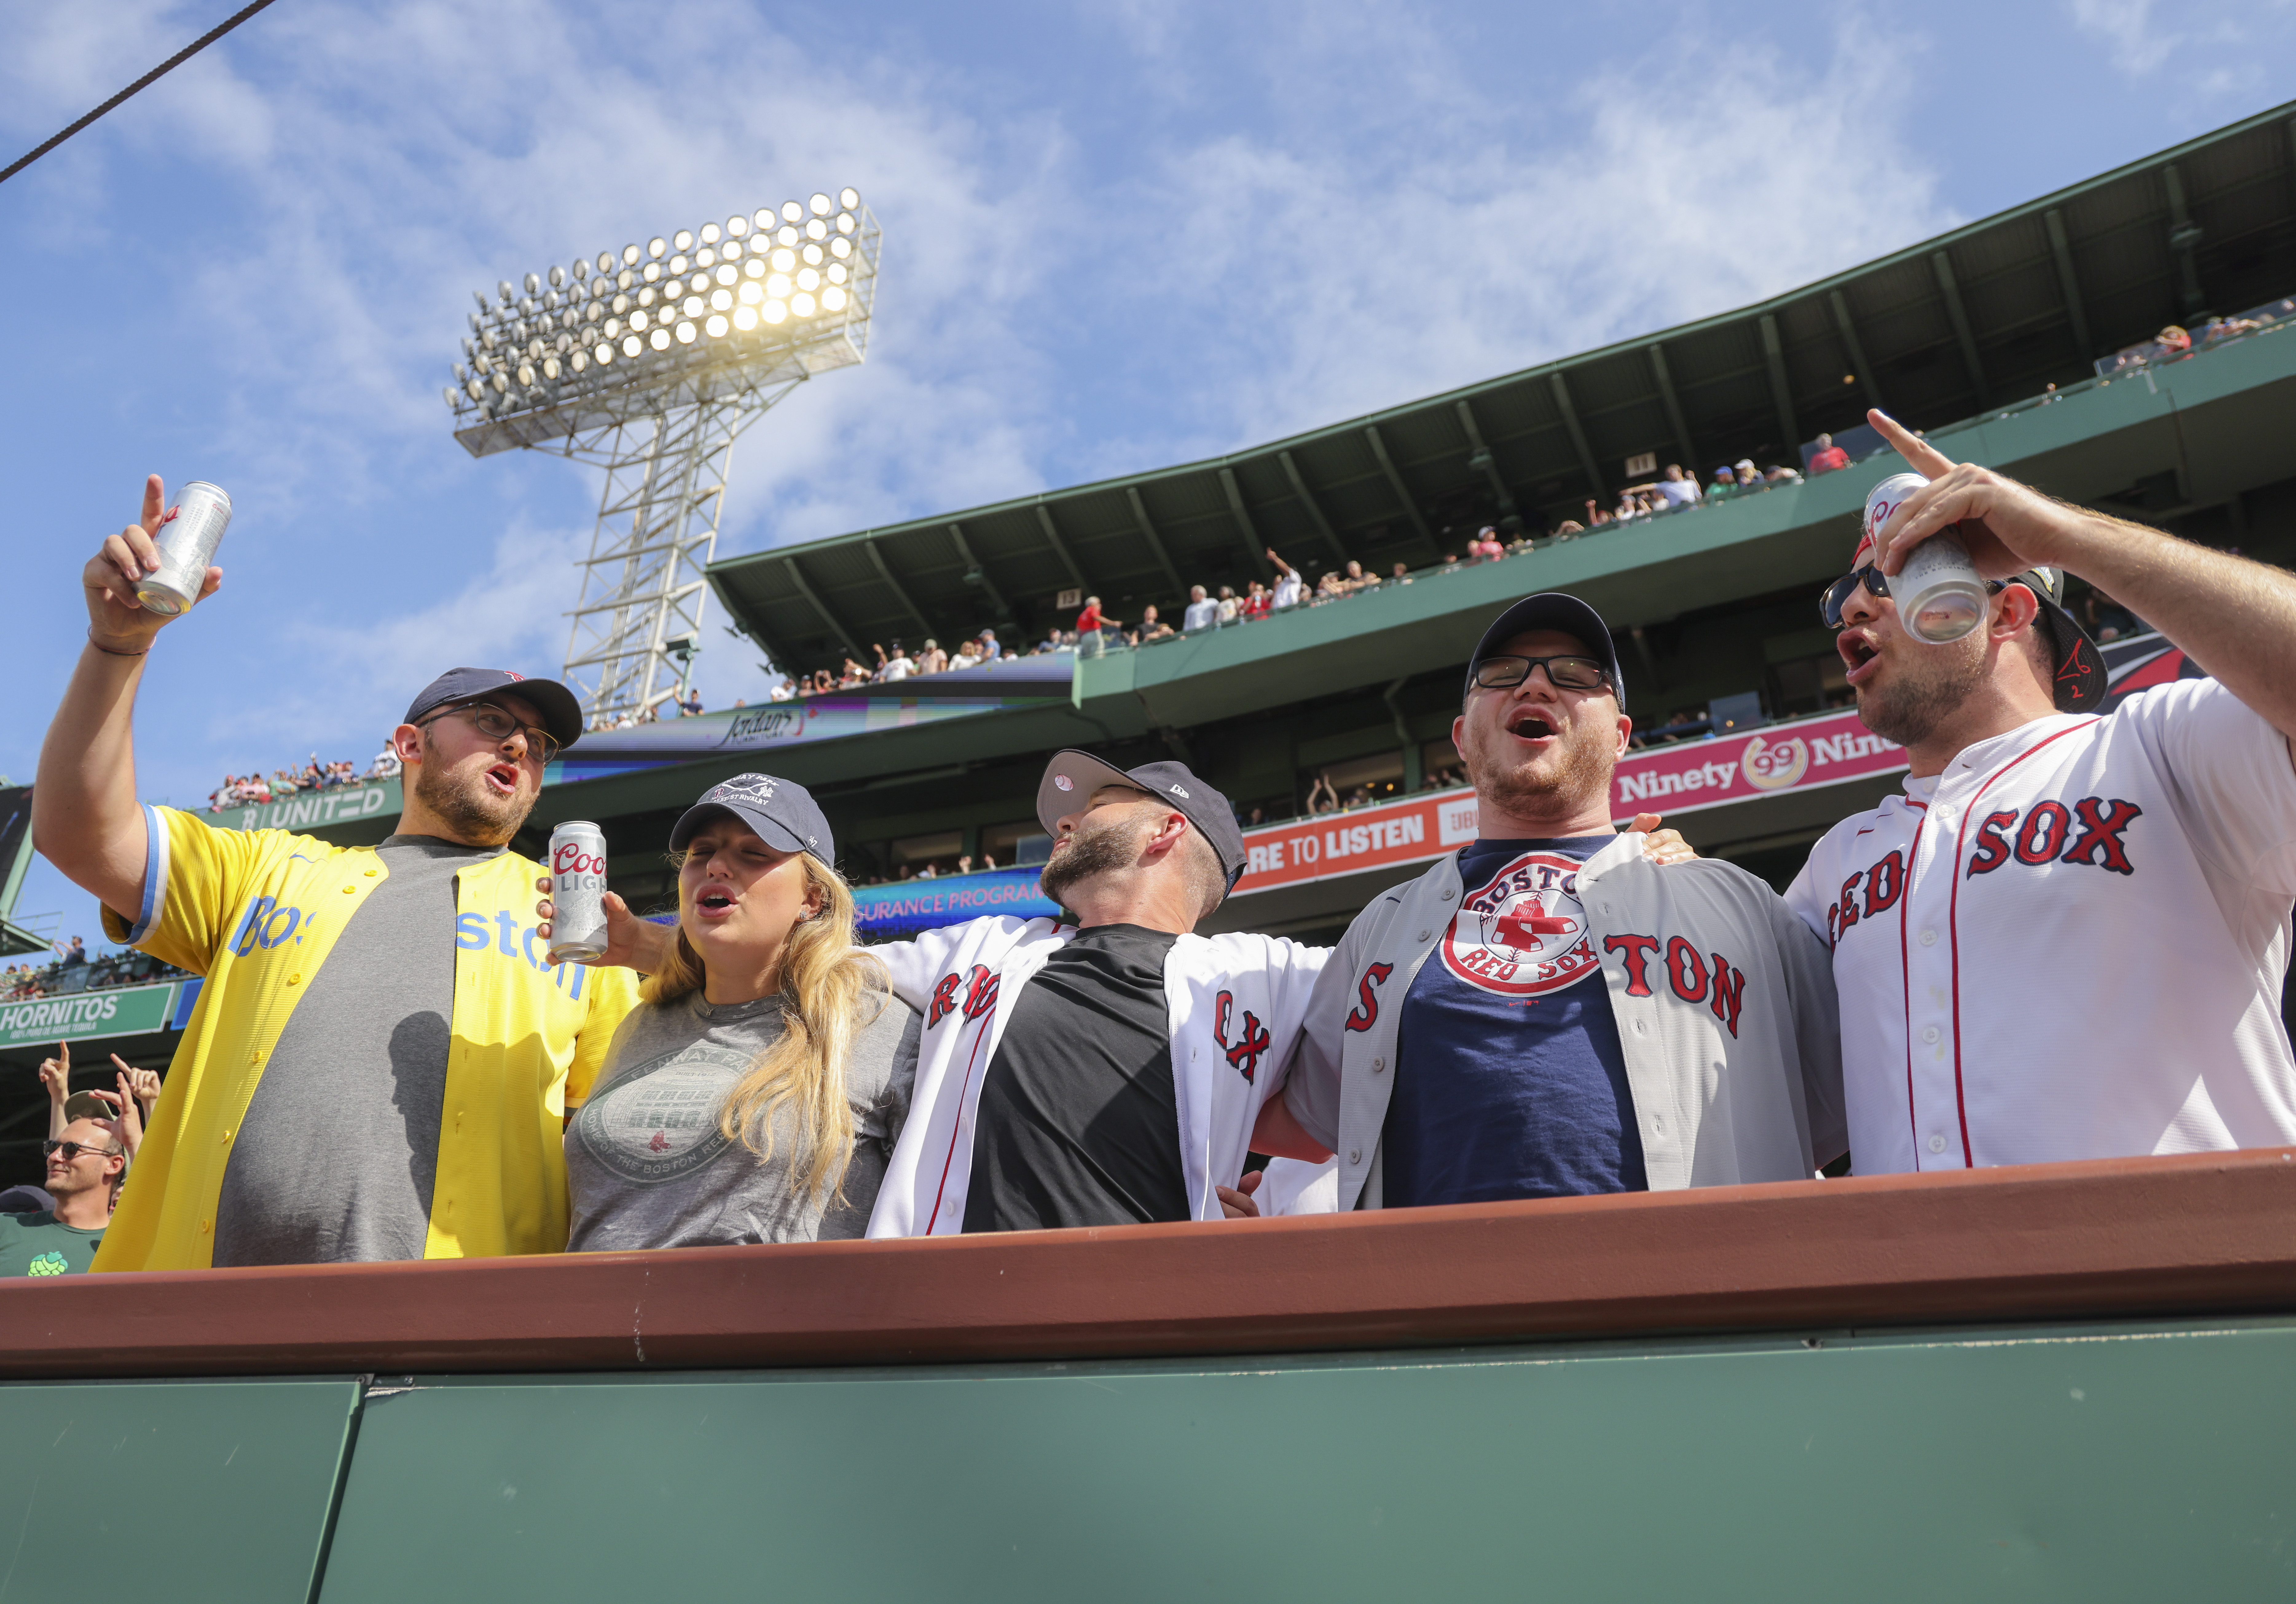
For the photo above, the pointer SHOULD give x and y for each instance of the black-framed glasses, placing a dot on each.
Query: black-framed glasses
(1836, 596)
(1565, 673)
(73, 1149)
(497, 725)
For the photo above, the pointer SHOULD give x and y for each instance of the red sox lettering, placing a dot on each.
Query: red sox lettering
(1366, 1012)
(2091, 831)
(979, 997)
(1246, 1051)
(1722, 988)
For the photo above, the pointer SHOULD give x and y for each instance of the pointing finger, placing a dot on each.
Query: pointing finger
(1920, 455)
(155, 504)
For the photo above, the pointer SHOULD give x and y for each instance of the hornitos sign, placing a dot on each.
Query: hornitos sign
(130, 1011)
(1670, 779)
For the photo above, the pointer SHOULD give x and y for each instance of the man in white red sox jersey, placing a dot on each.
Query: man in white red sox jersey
(2066, 940)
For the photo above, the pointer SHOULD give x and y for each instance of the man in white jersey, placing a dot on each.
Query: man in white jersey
(2066, 940)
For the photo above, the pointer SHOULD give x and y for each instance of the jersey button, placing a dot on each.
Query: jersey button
(1937, 1144)
(1354, 1155)
(1446, 894)
(1423, 935)
(1929, 1033)
(1929, 938)
(1377, 1064)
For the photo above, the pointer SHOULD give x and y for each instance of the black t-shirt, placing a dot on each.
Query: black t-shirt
(1079, 1123)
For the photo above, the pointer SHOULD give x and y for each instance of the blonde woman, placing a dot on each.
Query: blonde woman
(756, 1092)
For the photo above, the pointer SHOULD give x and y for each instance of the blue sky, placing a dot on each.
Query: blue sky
(1116, 237)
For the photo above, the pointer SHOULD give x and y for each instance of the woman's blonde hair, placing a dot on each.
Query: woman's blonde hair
(830, 989)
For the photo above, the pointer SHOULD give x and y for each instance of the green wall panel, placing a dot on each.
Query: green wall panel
(183, 1491)
(2101, 1463)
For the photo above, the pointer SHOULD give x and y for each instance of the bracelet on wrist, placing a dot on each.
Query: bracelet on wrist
(113, 651)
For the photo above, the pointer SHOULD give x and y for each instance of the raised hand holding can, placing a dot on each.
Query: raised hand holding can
(1940, 594)
(577, 890)
(187, 537)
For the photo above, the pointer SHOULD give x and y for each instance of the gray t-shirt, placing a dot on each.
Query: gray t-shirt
(646, 1165)
(340, 1148)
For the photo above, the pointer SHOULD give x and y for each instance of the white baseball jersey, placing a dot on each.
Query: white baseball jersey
(1235, 1002)
(2069, 944)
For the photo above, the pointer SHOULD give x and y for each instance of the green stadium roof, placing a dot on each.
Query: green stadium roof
(1943, 329)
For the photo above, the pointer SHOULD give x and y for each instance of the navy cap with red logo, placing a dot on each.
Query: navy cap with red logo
(561, 714)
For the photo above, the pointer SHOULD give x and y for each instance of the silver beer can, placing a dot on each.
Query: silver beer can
(188, 537)
(577, 888)
(1938, 592)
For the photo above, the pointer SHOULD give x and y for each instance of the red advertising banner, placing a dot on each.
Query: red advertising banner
(1670, 779)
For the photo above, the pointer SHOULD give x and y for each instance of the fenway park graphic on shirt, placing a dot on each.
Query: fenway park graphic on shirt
(1523, 934)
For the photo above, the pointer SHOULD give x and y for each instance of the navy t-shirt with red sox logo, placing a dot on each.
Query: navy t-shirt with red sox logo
(1509, 1079)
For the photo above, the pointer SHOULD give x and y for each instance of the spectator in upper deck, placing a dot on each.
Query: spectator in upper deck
(1091, 625)
(1256, 602)
(1288, 585)
(1485, 546)
(1151, 627)
(989, 649)
(1201, 612)
(1678, 489)
(75, 953)
(1724, 485)
(1229, 607)
(932, 659)
(2173, 341)
(897, 666)
(1828, 456)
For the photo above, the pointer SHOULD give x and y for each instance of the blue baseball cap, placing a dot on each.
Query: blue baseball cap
(1563, 613)
(561, 714)
(782, 812)
(1071, 777)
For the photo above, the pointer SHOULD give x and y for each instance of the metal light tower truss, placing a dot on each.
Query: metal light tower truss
(651, 364)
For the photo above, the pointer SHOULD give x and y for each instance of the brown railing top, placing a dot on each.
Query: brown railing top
(2208, 1234)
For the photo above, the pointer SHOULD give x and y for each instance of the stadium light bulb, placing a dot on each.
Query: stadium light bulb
(721, 301)
(776, 311)
(745, 318)
(682, 240)
(737, 226)
(778, 286)
(845, 223)
(690, 306)
(784, 260)
(791, 212)
(820, 205)
(715, 327)
(807, 278)
(832, 300)
(711, 234)
(749, 293)
(801, 304)
(685, 333)
(816, 230)
(727, 274)
(850, 198)
(659, 339)
(840, 248)
(835, 272)
(754, 267)
(630, 255)
(656, 246)
(787, 236)
(765, 217)
(812, 254)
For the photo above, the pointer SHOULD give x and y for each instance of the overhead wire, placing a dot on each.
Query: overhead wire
(145, 82)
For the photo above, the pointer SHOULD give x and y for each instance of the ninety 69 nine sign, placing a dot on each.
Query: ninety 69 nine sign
(1671, 780)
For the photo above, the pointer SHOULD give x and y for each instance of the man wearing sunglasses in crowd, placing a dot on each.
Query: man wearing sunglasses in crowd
(381, 1061)
(2066, 939)
(86, 1161)
(1549, 1013)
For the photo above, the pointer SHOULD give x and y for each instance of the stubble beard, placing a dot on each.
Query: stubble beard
(476, 815)
(1923, 689)
(1564, 783)
(1094, 849)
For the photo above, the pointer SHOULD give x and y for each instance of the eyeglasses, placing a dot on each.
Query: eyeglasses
(1564, 673)
(1836, 596)
(72, 1151)
(497, 725)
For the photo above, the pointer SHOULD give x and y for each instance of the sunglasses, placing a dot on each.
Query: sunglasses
(72, 1151)
(1836, 596)
(1564, 673)
(498, 726)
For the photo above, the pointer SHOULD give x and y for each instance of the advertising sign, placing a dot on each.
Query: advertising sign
(130, 1011)
(305, 810)
(1672, 779)
(904, 907)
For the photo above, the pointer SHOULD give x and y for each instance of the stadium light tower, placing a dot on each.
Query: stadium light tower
(651, 362)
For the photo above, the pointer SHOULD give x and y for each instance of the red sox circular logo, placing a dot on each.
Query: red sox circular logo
(1524, 933)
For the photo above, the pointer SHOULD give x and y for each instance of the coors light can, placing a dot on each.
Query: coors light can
(577, 886)
(188, 537)
(1939, 596)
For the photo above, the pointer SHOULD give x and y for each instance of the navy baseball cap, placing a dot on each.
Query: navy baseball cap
(562, 715)
(1552, 609)
(782, 812)
(1072, 776)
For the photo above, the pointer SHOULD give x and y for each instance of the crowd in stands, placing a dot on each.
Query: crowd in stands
(75, 971)
(898, 665)
(250, 790)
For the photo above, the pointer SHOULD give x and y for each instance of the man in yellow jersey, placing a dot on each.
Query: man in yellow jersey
(381, 1060)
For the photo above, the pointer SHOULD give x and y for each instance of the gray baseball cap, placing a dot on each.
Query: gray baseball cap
(782, 812)
(1072, 776)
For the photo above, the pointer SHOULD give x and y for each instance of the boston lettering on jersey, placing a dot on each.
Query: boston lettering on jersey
(269, 924)
(2090, 830)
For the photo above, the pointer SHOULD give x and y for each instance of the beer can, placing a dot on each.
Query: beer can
(188, 537)
(1938, 592)
(578, 889)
